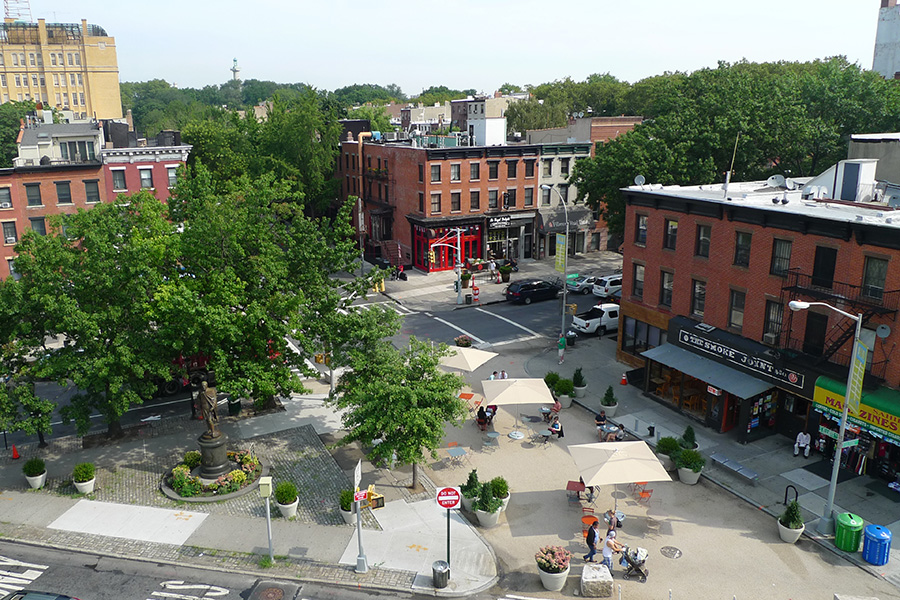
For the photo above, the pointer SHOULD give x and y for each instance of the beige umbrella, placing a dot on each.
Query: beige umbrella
(516, 391)
(466, 358)
(612, 463)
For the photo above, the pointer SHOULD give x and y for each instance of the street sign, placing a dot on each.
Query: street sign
(857, 372)
(448, 497)
(849, 443)
(357, 474)
(827, 432)
(560, 252)
(360, 496)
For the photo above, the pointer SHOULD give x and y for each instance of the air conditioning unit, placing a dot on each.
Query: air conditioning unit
(5, 204)
(770, 338)
(10, 240)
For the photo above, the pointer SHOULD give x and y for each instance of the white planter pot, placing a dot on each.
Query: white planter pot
(580, 391)
(789, 535)
(38, 481)
(504, 502)
(467, 503)
(688, 476)
(349, 517)
(289, 510)
(85, 487)
(610, 410)
(667, 463)
(565, 401)
(486, 519)
(553, 582)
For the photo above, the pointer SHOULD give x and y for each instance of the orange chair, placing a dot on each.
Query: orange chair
(586, 523)
(644, 496)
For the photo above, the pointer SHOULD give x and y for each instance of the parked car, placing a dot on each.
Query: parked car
(529, 290)
(35, 595)
(605, 286)
(599, 319)
(616, 296)
(583, 284)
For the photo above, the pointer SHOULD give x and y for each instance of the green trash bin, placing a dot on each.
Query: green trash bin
(848, 530)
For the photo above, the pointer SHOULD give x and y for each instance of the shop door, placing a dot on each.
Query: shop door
(814, 337)
(732, 412)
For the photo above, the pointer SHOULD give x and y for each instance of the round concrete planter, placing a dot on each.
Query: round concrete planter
(467, 503)
(565, 401)
(666, 461)
(38, 481)
(789, 535)
(85, 487)
(580, 391)
(289, 511)
(610, 410)
(554, 582)
(349, 517)
(504, 502)
(486, 519)
(688, 476)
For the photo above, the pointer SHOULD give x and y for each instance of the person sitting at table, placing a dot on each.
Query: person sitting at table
(490, 412)
(616, 436)
(600, 421)
(556, 428)
(504, 375)
(494, 376)
(554, 410)
(481, 418)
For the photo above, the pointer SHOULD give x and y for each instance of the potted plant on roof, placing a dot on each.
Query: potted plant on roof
(553, 566)
(500, 488)
(790, 523)
(35, 472)
(551, 379)
(465, 276)
(470, 490)
(347, 512)
(580, 383)
(505, 270)
(564, 391)
(609, 402)
(690, 463)
(83, 477)
(688, 438)
(667, 449)
(463, 341)
(487, 508)
(286, 498)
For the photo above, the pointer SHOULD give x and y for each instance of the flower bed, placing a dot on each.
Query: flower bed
(247, 470)
(463, 341)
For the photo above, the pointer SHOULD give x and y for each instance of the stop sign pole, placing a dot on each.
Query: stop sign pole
(449, 498)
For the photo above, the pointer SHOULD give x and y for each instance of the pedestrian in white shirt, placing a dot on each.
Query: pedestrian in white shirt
(802, 443)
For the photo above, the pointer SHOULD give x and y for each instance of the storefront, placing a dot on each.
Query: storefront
(424, 238)
(510, 235)
(553, 221)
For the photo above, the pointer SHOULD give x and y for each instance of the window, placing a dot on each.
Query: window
(9, 233)
(15, 59)
(65, 99)
(71, 59)
(640, 230)
(545, 196)
(492, 198)
(509, 199)
(63, 193)
(781, 257)
(78, 59)
(33, 194)
(81, 96)
(58, 99)
(742, 241)
(564, 192)
(823, 267)
(874, 276)
(12, 269)
(80, 80)
(34, 81)
(474, 172)
(493, 170)
(511, 167)
(38, 226)
(454, 173)
(92, 190)
(704, 233)
(118, 177)
(5, 198)
(421, 202)
(1, 59)
(564, 166)
(529, 197)
(666, 283)
(774, 317)
(3, 79)
(53, 59)
(529, 168)
(18, 80)
(698, 297)
(172, 174)
(671, 234)
(474, 200)
(435, 203)
(72, 79)
(548, 167)
(435, 173)
(146, 179)
(39, 57)
(637, 286)
(74, 99)
(455, 201)
(43, 81)
(421, 173)
(736, 310)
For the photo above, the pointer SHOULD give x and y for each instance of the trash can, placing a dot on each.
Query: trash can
(234, 407)
(848, 532)
(877, 545)
(571, 336)
(440, 573)
(468, 298)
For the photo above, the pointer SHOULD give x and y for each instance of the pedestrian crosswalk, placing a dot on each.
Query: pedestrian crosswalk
(398, 308)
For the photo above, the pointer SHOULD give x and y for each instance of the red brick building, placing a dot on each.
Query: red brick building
(708, 275)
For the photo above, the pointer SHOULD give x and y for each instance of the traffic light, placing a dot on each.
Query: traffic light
(456, 286)
(571, 309)
(431, 256)
(375, 500)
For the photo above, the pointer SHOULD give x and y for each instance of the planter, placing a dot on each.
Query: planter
(486, 519)
(289, 511)
(465, 282)
(467, 503)
(666, 461)
(688, 476)
(349, 516)
(610, 410)
(554, 582)
(789, 535)
(565, 401)
(85, 487)
(504, 501)
(504, 277)
(37, 482)
(580, 391)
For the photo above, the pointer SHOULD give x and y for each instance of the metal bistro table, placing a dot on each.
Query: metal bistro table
(607, 429)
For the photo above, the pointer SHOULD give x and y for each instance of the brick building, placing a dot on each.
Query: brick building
(708, 274)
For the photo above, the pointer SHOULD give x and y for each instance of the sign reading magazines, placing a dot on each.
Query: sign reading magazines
(733, 355)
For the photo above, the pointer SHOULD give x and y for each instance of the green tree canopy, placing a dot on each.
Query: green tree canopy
(379, 119)
(369, 93)
(11, 115)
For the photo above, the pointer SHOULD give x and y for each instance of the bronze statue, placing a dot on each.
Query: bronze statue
(208, 408)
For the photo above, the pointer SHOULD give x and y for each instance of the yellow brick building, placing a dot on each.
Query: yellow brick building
(69, 66)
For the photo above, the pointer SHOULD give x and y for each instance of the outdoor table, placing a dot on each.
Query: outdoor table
(546, 435)
(577, 487)
(494, 438)
(607, 429)
(545, 413)
(456, 453)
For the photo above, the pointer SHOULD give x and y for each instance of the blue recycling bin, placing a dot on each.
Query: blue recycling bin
(877, 545)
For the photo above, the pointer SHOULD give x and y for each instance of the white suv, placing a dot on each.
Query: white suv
(607, 286)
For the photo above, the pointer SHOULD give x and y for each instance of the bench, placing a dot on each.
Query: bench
(736, 467)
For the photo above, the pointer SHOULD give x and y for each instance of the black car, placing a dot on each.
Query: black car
(529, 290)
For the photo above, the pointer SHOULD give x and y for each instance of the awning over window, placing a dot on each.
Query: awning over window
(704, 369)
(553, 220)
(879, 409)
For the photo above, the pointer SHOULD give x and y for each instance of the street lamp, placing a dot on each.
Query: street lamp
(565, 287)
(826, 523)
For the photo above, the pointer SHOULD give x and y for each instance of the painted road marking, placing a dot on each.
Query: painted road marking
(14, 580)
(516, 340)
(459, 329)
(207, 591)
(511, 322)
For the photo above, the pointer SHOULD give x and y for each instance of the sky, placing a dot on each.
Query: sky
(464, 44)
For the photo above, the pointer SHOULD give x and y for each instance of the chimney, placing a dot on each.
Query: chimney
(129, 118)
(888, 3)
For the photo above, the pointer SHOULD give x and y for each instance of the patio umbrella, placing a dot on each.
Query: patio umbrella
(617, 462)
(466, 358)
(516, 391)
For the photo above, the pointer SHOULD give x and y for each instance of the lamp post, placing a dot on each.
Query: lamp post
(826, 523)
(562, 325)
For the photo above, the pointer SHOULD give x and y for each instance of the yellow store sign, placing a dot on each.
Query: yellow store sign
(879, 410)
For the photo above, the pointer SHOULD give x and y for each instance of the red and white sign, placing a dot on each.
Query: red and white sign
(713, 390)
(449, 497)
(360, 496)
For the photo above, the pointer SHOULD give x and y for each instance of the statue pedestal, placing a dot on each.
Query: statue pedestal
(213, 456)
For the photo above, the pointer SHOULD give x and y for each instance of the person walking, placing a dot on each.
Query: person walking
(593, 536)
(561, 345)
(610, 545)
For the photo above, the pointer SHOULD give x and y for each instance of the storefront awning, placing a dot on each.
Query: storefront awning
(553, 220)
(713, 373)
(879, 410)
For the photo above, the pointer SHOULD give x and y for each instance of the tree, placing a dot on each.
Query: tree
(401, 398)
(378, 118)
(509, 88)
(535, 114)
(368, 93)
(11, 114)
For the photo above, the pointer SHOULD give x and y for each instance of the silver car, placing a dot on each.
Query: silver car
(582, 284)
(606, 286)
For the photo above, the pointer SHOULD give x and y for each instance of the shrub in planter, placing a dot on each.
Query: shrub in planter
(578, 378)
(791, 517)
(83, 472)
(486, 501)
(690, 459)
(688, 438)
(470, 490)
(463, 341)
(500, 488)
(34, 467)
(192, 459)
(551, 379)
(564, 387)
(285, 492)
(553, 559)
(668, 446)
(346, 500)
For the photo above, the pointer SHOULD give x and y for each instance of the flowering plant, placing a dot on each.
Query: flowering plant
(553, 559)
(463, 341)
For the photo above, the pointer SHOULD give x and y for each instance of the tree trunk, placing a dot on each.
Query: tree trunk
(415, 479)
(114, 430)
(42, 443)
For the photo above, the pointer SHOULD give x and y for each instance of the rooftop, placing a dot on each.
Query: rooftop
(31, 136)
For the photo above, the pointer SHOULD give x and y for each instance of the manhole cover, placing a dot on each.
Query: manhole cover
(670, 552)
(271, 594)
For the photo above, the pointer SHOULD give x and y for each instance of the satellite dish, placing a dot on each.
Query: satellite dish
(775, 181)
(790, 184)
(580, 114)
(639, 180)
(883, 331)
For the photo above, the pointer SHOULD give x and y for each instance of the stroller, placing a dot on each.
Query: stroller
(633, 561)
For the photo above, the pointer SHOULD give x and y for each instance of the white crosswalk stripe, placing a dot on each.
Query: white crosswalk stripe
(398, 308)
